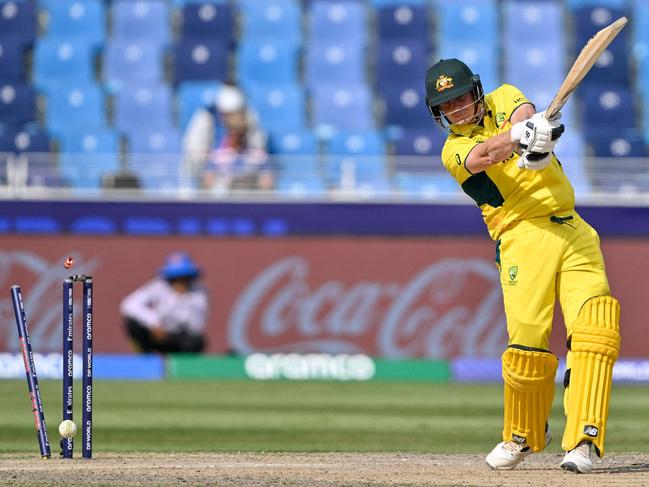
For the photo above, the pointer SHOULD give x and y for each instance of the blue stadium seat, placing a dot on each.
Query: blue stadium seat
(87, 156)
(357, 160)
(34, 147)
(617, 145)
(128, 62)
(273, 20)
(481, 56)
(75, 107)
(83, 20)
(605, 107)
(532, 23)
(296, 154)
(208, 21)
(289, 186)
(12, 61)
(141, 20)
(417, 150)
(279, 107)
(57, 60)
(429, 185)
(405, 106)
(267, 62)
(401, 62)
(612, 67)
(334, 63)
(193, 95)
(24, 141)
(339, 21)
(589, 19)
(345, 107)
(182, 3)
(143, 106)
(18, 22)
(403, 22)
(468, 21)
(155, 156)
(575, 4)
(17, 105)
(534, 65)
(392, 3)
(571, 151)
(200, 60)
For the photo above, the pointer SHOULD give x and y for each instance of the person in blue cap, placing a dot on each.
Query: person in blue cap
(169, 313)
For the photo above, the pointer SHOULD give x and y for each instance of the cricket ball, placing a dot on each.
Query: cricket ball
(68, 262)
(68, 428)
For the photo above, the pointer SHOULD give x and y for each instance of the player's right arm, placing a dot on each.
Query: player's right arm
(499, 147)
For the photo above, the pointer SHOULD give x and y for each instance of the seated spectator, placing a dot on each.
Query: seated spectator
(168, 314)
(224, 145)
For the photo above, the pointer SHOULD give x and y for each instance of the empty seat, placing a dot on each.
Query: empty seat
(419, 149)
(533, 22)
(271, 20)
(575, 4)
(73, 108)
(391, 3)
(88, 156)
(613, 66)
(604, 108)
(79, 19)
(33, 146)
(279, 107)
(207, 20)
(200, 60)
(590, 19)
(141, 20)
(18, 22)
(128, 62)
(296, 154)
(334, 63)
(534, 64)
(12, 61)
(343, 22)
(193, 95)
(401, 62)
(357, 160)
(267, 62)
(17, 104)
(154, 156)
(468, 21)
(57, 60)
(617, 145)
(405, 106)
(481, 56)
(403, 22)
(343, 106)
(143, 106)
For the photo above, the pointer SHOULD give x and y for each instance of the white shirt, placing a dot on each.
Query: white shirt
(156, 303)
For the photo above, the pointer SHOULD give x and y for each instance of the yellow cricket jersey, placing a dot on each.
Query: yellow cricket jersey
(505, 193)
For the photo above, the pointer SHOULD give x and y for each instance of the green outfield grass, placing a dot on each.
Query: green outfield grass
(281, 416)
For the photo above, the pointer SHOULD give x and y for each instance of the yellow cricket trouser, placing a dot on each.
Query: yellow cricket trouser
(542, 259)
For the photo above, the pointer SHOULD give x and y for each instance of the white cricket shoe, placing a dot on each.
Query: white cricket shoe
(578, 459)
(507, 454)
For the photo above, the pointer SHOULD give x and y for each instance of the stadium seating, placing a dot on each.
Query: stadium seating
(17, 105)
(272, 20)
(154, 158)
(330, 63)
(401, 62)
(12, 61)
(605, 107)
(279, 107)
(200, 60)
(58, 60)
(403, 22)
(193, 95)
(405, 106)
(145, 107)
(75, 107)
(82, 20)
(267, 62)
(87, 156)
(338, 21)
(18, 22)
(208, 21)
(141, 20)
(343, 106)
(127, 62)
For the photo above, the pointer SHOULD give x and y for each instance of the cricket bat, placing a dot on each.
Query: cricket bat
(589, 54)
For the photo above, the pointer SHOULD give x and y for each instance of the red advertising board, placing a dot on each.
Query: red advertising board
(394, 297)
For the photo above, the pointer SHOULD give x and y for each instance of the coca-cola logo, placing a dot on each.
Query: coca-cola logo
(450, 308)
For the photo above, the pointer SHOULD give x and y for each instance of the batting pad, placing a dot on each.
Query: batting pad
(529, 391)
(595, 344)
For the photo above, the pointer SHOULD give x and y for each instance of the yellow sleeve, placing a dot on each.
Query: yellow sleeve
(507, 98)
(454, 154)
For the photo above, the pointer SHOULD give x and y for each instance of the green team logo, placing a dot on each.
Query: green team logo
(513, 272)
(500, 118)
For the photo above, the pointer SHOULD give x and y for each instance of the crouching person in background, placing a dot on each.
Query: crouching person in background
(169, 313)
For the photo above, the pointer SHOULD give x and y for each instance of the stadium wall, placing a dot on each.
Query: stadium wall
(305, 283)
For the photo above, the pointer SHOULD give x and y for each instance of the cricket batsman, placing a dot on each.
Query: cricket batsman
(500, 151)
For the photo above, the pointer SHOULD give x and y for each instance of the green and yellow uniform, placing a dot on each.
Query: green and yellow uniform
(545, 251)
